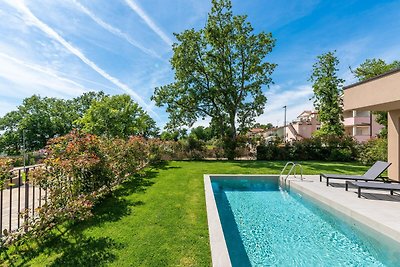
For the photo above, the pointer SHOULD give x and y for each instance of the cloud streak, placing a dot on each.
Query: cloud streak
(149, 21)
(5, 107)
(115, 31)
(42, 70)
(31, 19)
(22, 79)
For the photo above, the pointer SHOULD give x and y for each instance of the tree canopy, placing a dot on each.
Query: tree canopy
(117, 116)
(202, 133)
(371, 68)
(219, 73)
(42, 118)
(264, 126)
(174, 135)
(39, 118)
(328, 88)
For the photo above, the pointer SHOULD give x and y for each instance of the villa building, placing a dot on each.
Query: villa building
(381, 94)
(361, 125)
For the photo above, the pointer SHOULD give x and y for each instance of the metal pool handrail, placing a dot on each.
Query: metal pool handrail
(294, 165)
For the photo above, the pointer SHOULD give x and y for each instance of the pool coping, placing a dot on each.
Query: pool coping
(219, 251)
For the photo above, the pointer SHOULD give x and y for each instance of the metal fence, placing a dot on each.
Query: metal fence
(18, 195)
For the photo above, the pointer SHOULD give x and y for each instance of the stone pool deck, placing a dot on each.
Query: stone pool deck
(376, 209)
(376, 213)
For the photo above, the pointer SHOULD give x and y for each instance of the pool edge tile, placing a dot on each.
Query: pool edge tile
(219, 251)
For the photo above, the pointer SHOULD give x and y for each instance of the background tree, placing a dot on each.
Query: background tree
(42, 118)
(174, 135)
(83, 102)
(39, 118)
(327, 89)
(371, 68)
(264, 126)
(117, 116)
(202, 133)
(219, 73)
(11, 138)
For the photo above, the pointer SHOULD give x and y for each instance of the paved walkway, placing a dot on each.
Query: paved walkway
(15, 195)
(375, 209)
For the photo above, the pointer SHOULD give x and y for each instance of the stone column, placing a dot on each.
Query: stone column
(394, 144)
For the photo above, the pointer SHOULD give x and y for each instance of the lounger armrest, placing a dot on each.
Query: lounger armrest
(386, 179)
(383, 178)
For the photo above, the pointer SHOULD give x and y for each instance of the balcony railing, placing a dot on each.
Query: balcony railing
(356, 121)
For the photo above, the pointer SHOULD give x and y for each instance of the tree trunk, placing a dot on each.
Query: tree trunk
(230, 140)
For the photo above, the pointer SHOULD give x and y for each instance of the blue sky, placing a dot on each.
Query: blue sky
(64, 48)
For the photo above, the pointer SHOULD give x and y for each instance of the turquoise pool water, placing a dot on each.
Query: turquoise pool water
(265, 226)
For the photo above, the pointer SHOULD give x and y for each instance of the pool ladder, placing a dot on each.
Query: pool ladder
(292, 169)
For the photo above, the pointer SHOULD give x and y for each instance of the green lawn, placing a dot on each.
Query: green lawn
(157, 220)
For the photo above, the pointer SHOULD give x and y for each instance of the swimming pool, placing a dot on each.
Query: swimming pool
(265, 226)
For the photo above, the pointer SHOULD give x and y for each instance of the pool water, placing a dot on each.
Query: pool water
(265, 226)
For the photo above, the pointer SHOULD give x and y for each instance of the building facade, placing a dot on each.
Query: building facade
(361, 125)
(303, 126)
(380, 94)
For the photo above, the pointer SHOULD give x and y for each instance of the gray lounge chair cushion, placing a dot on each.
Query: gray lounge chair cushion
(373, 185)
(342, 176)
(377, 169)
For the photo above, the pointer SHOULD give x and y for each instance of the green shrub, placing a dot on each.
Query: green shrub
(316, 148)
(341, 154)
(373, 150)
(79, 170)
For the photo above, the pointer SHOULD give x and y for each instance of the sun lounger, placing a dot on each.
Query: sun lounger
(371, 175)
(395, 186)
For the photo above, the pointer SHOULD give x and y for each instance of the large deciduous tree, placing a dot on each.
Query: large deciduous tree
(371, 68)
(219, 73)
(117, 116)
(328, 88)
(39, 118)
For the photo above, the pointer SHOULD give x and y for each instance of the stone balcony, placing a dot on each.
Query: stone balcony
(356, 121)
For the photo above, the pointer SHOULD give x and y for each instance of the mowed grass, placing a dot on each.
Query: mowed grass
(158, 219)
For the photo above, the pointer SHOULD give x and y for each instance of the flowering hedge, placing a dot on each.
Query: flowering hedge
(6, 165)
(79, 170)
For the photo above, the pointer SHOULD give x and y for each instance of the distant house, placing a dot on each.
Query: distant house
(303, 126)
(266, 134)
(256, 132)
(359, 124)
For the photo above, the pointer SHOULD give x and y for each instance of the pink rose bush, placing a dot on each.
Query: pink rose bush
(79, 170)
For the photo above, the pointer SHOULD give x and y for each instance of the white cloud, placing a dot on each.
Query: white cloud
(6, 62)
(6, 107)
(115, 31)
(202, 122)
(149, 21)
(296, 100)
(31, 19)
(33, 79)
